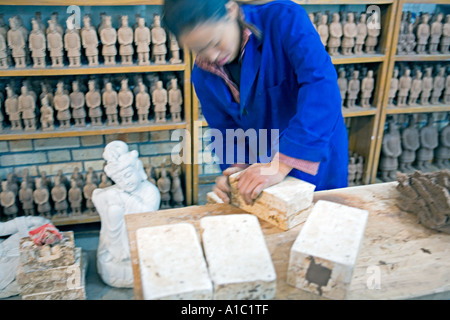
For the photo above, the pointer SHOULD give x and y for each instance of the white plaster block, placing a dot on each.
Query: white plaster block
(324, 254)
(239, 262)
(172, 263)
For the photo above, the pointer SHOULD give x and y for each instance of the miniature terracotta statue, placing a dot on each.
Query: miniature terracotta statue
(41, 197)
(372, 40)
(108, 37)
(17, 43)
(90, 41)
(47, 93)
(102, 24)
(110, 103)
(105, 182)
(427, 87)
(410, 40)
(410, 144)
(175, 101)
(11, 183)
(174, 49)
(72, 44)
(367, 86)
(404, 85)
(93, 101)
(164, 186)
(47, 115)
(55, 45)
(391, 150)
(142, 39)
(63, 179)
(442, 154)
(350, 32)
(126, 100)
(394, 88)
(143, 104)
(75, 197)
(88, 189)
(59, 197)
(343, 84)
(423, 34)
(435, 34)
(351, 171)
(45, 180)
(361, 33)
(77, 102)
(429, 140)
(26, 199)
(323, 30)
(159, 39)
(151, 175)
(3, 53)
(62, 105)
(177, 190)
(416, 88)
(131, 194)
(447, 90)
(334, 40)
(445, 39)
(94, 177)
(354, 86)
(438, 86)
(78, 177)
(58, 26)
(37, 45)
(12, 109)
(312, 17)
(8, 201)
(359, 170)
(125, 39)
(401, 44)
(159, 97)
(27, 107)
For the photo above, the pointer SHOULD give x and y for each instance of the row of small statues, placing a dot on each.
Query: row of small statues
(424, 87)
(345, 34)
(355, 169)
(413, 148)
(122, 104)
(354, 86)
(18, 42)
(426, 35)
(63, 197)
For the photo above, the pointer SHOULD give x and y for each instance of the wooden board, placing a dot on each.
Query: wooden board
(412, 261)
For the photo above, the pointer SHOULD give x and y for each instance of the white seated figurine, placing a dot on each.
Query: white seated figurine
(132, 193)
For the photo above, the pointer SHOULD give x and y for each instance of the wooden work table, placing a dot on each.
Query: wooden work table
(411, 261)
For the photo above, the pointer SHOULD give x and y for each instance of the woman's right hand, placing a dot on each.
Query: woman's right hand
(222, 187)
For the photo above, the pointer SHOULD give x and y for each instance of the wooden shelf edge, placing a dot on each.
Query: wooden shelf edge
(422, 57)
(338, 60)
(325, 2)
(71, 220)
(427, 1)
(66, 71)
(418, 109)
(358, 112)
(80, 2)
(91, 131)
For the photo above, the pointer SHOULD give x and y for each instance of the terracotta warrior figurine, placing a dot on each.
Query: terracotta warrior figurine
(435, 34)
(423, 34)
(159, 39)
(93, 102)
(359, 170)
(46, 91)
(394, 88)
(410, 144)
(143, 104)
(94, 177)
(12, 109)
(78, 177)
(75, 197)
(8, 201)
(334, 40)
(367, 86)
(445, 39)
(442, 154)
(55, 45)
(438, 86)
(410, 40)
(343, 84)
(108, 36)
(447, 90)
(110, 103)
(90, 41)
(59, 197)
(354, 86)
(312, 17)
(361, 33)
(177, 190)
(3, 53)
(372, 40)
(125, 39)
(404, 84)
(27, 107)
(41, 197)
(175, 101)
(351, 171)
(391, 150)
(58, 26)
(77, 102)
(416, 88)
(105, 181)
(159, 97)
(62, 105)
(427, 87)
(26, 198)
(88, 189)
(47, 115)
(72, 44)
(323, 29)
(126, 100)
(16, 42)
(164, 186)
(142, 39)
(37, 44)
(429, 140)
(350, 32)
(174, 49)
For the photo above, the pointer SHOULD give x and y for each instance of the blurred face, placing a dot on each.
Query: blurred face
(127, 180)
(216, 41)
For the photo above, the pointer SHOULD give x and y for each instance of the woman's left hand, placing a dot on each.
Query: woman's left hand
(259, 176)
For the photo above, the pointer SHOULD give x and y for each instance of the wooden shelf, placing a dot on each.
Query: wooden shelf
(89, 131)
(427, 1)
(422, 57)
(71, 220)
(358, 112)
(330, 2)
(341, 59)
(419, 109)
(66, 71)
(80, 2)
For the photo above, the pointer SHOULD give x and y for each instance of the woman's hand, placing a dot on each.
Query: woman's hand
(222, 187)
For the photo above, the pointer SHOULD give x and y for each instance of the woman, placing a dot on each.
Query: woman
(265, 67)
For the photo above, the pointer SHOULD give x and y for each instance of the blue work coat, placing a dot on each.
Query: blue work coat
(288, 82)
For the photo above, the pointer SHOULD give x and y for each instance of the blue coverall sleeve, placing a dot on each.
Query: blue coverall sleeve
(309, 132)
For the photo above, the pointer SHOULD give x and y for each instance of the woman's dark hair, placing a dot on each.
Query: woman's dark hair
(184, 15)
